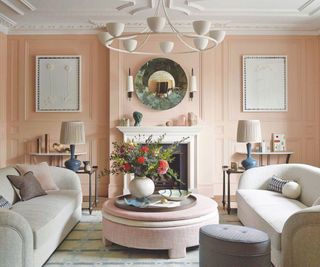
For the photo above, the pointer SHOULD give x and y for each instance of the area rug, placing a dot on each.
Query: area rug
(83, 247)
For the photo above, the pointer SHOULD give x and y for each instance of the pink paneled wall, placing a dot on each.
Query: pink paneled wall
(25, 125)
(3, 102)
(218, 103)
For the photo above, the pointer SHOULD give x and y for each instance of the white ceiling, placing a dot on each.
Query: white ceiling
(235, 16)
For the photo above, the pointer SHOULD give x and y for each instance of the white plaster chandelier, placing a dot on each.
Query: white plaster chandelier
(136, 43)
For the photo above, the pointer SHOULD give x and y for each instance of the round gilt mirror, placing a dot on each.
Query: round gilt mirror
(161, 84)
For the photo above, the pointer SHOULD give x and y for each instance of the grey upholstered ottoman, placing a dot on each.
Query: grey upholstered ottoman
(223, 245)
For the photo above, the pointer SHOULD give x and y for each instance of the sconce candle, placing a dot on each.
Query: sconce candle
(130, 86)
(193, 85)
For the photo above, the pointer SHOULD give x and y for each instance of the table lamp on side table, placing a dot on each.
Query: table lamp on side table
(249, 131)
(72, 133)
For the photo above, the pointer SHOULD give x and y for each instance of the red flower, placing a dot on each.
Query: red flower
(140, 160)
(127, 167)
(144, 149)
(163, 166)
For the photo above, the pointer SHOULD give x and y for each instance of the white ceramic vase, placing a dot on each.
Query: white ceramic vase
(141, 187)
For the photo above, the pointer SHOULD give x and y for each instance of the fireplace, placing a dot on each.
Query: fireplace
(186, 159)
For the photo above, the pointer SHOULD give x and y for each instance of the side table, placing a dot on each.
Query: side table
(228, 171)
(94, 170)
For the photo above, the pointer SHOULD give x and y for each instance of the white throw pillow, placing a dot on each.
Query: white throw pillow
(42, 172)
(317, 202)
(291, 190)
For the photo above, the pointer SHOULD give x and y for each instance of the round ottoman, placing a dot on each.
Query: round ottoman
(232, 245)
(170, 230)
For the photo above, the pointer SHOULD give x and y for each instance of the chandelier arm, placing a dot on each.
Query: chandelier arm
(185, 43)
(143, 42)
(157, 9)
(167, 17)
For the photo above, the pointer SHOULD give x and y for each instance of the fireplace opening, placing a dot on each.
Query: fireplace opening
(180, 166)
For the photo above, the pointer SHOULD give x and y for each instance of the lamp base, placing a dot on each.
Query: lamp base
(249, 162)
(72, 163)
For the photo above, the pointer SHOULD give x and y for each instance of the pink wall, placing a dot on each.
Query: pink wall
(218, 103)
(3, 102)
(25, 125)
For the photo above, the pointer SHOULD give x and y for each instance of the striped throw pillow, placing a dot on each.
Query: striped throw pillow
(4, 204)
(276, 184)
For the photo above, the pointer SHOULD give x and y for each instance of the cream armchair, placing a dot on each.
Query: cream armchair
(292, 225)
(33, 229)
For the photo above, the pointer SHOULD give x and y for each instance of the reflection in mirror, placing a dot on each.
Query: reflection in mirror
(161, 84)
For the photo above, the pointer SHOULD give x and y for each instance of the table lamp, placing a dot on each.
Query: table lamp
(249, 131)
(72, 133)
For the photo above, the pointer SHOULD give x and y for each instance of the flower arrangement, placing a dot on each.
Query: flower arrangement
(148, 158)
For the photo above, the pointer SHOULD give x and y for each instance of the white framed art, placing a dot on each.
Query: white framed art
(58, 83)
(264, 84)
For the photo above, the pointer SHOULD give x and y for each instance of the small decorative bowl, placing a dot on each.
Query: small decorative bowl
(174, 194)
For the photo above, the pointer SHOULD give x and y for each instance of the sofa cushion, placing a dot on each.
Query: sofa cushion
(276, 184)
(42, 172)
(267, 211)
(45, 214)
(4, 204)
(28, 185)
(6, 188)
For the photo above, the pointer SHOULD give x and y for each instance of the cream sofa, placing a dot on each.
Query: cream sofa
(292, 225)
(31, 230)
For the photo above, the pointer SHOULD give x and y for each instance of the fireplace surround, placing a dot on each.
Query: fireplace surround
(172, 134)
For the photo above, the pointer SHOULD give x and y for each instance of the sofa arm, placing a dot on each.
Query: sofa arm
(16, 240)
(65, 179)
(258, 178)
(300, 242)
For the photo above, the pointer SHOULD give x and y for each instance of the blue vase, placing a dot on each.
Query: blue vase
(72, 163)
(249, 162)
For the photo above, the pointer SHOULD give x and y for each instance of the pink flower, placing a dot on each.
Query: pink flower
(127, 167)
(163, 166)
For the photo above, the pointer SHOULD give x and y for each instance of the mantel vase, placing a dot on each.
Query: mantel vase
(141, 187)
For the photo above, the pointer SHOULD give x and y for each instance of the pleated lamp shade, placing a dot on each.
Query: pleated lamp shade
(249, 131)
(72, 133)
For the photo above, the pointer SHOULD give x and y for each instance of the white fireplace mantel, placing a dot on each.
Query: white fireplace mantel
(172, 134)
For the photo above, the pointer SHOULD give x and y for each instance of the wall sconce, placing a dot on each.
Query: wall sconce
(193, 85)
(130, 87)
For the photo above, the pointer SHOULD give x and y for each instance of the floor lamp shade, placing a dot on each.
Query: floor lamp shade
(249, 131)
(72, 133)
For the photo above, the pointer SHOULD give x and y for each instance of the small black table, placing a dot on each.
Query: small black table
(228, 171)
(94, 170)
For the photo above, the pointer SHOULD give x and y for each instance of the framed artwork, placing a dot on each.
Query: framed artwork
(58, 84)
(265, 84)
(278, 142)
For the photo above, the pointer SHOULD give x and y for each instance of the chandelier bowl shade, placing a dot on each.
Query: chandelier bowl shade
(115, 28)
(104, 37)
(200, 43)
(166, 47)
(217, 35)
(130, 44)
(156, 24)
(201, 27)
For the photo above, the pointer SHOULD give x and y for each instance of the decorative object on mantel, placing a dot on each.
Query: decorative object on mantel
(169, 123)
(147, 160)
(203, 39)
(130, 87)
(193, 85)
(72, 133)
(137, 116)
(278, 142)
(58, 84)
(265, 84)
(161, 84)
(60, 148)
(192, 119)
(249, 131)
(125, 121)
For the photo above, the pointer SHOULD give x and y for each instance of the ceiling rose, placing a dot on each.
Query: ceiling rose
(136, 43)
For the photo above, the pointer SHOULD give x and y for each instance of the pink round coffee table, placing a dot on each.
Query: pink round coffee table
(172, 230)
